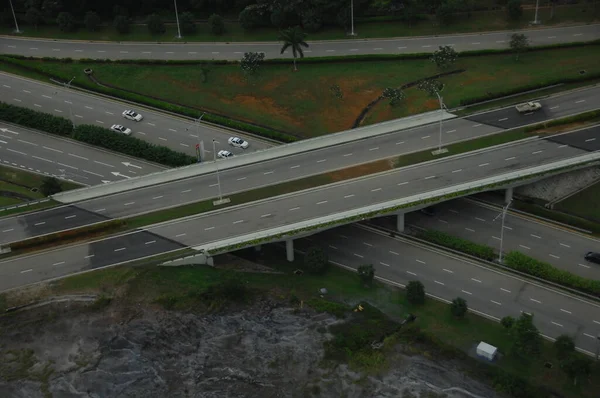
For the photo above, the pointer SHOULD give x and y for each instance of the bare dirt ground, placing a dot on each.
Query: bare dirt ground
(267, 349)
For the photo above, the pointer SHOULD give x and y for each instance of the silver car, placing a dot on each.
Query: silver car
(131, 115)
(120, 129)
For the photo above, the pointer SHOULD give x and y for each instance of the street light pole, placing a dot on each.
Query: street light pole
(68, 86)
(352, 33)
(177, 18)
(440, 150)
(15, 17)
(200, 146)
(535, 20)
(504, 210)
(221, 200)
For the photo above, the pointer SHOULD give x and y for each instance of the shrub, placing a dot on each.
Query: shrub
(415, 292)
(458, 308)
(66, 22)
(186, 22)
(217, 25)
(462, 245)
(50, 186)
(564, 346)
(444, 57)
(36, 120)
(92, 21)
(331, 307)
(316, 260)
(231, 289)
(507, 322)
(155, 24)
(540, 269)
(251, 62)
(366, 273)
(131, 146)
(121, 24)
(514, 9)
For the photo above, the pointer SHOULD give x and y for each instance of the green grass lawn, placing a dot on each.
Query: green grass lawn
(301, 103)
(478, 22)
(585, 204)
(180, 286)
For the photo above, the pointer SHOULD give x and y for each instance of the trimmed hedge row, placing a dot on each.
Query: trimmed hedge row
(38, 120)
(99, 136)
(564, 120)
(94, 135)
(462, 245)
(529, 87)
(531, 266)
(66, 235)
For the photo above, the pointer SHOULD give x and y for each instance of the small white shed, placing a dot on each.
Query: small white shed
(486, 351)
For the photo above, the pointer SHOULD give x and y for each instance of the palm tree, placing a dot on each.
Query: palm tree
(293, 37)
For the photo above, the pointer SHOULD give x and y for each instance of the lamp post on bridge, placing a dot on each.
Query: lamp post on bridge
(503, 215)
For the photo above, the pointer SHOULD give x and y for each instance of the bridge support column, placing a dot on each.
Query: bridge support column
(400, 222)
(508, 195)
(289, 250)
(210, 261)
(258, 248)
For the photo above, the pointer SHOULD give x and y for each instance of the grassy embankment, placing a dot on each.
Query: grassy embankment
(185, 289)
(383, 27)
(302, 104)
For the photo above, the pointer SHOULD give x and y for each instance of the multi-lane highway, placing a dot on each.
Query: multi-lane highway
(132, 50)
(66, 159)
(158, 128)
(481, 223)
(488, 291)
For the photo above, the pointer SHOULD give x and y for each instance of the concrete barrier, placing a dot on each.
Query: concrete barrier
(382, 207)
(254, 157)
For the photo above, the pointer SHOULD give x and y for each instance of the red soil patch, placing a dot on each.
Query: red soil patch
(275, 83)
(265, 105)
(361, 170)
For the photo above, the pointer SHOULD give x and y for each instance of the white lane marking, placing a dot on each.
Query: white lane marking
(426, 46)
(329, 51)
(294, 208)
(294, 167)
(347, 154)
(353, 49)
(509, 228)
(16, 99)
(322, 202)
(403, 183)
(450, 131)
(500, 41)
(268, 172)
(589, 335)
(495, 237)
(99, 210)
(503, 119)
(162, 139)
(146, 52)
(173, 130)
(44, 159)
(476, 43)
(483, 164)
(411, 273)
(46, 96)
(563, 310)
(384, 264)
(554, 107)
(510, 158)
(536, 152)
(343, 236)
(476, 125)
(536, 236)
(469, 229)
(457, 171)
(178, 235)
(400, 48)
(447, 270)
(557, 324)
(596, 322)
(157, 197)
(59, 263)
(367, 244)
(333, 247)
(152, 124)
(358, 255)
(525, 247)
(71, 216)
(39, 223)
(535, 301)
(27, 270)
(120, 249)
(429, 178)
(26, 91)
(240, 179)
(186, 191)
(215, 52)
(4, 85)
(88, 107)
(439, 283)
(579, 102)
(551, 37)
(399, 142)
(52, 149)
(376, 189)
(99, 121)
(101, 51)
(8, 230)
(584, 266)
(420, 261)
(66, 165)
(495, 302)
(466, 292)
(266, 215)
(394, 253)
(77, 156)
(169, 52)
(58, 110)
(374, 149)
(442, 221)
(108, 113)
(563, 245)
(378, 48)
(479, 219)
(321, 161)
(79, 116)
(348, 196)
(590, 139)
(453, 211)
(554, 256)
(476, 280)
(209, 228)
(425, 137)
(578, 34)
(19, 152)
(38, 105)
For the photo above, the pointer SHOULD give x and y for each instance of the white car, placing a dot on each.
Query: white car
(131, 115)
(120, 129)
(224, 154)
(238, 142)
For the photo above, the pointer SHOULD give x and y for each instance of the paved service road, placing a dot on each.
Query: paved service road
(132, 50)
(482, 223)
(158, 128)
(428, 177)
(45, 154)
(21, 271)
(487, 291)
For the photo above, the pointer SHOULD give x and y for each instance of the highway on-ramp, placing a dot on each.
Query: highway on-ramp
(67, 159)
(130, 50)
(158, 128)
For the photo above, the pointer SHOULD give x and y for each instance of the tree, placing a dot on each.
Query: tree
(518, 43)
(255, 16)
(415, 292)
(515, 10)
(446, 12)
(50, 8)
(92, 21)
(217, 25)
(395, 95)
(294, 38)
(444, 57)
(50, 186)
(458, 308)
(366, 273)
(155, 24)
(316, 260)
(576, 366)
(34, 17)
(527, 342)
(251, 62)
(564, 346)
(186, 22)
(66, 21)
(120, 10)
(311, 20)
(121, 24)
(431, 86)
(507, 322)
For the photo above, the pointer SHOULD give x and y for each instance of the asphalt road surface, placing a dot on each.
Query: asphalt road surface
(482, 224)
(488, 291)
(468, 168)
(21, 271)
(158, 128)
(588, 140)
(132, 50)
(50, 155)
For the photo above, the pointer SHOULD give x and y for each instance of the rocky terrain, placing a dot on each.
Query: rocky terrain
(66, 350)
